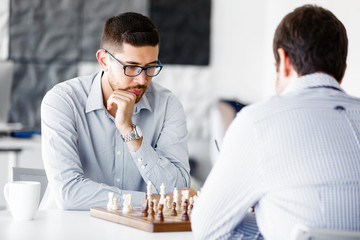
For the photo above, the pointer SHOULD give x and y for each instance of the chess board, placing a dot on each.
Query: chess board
(134, 219)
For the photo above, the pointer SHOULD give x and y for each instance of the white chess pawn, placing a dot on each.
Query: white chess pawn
(127, 207)
(115, 204)
(168, 204)
(110, 202)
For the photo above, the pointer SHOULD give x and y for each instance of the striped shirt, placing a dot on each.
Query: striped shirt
(296, 157)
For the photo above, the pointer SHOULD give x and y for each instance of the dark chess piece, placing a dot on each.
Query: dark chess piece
(160, 215)
(151, 211)
(144, 212)
(190, 208)
(173, 209)
(185, 215)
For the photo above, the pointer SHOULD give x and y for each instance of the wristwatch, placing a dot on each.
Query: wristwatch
(135, 134)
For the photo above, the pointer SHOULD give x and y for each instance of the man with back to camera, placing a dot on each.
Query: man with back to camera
(115, 130)
(296, 156)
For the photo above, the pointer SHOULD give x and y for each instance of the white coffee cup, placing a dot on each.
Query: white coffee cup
(23, 198)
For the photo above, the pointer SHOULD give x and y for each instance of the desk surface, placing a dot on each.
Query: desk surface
(23, 143)
(57, 224)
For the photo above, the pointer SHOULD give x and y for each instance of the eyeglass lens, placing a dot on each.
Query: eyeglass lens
(149, 71)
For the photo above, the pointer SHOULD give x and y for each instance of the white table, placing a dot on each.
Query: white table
(58, 224)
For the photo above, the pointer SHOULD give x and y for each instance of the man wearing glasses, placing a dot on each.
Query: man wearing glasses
(115, 130)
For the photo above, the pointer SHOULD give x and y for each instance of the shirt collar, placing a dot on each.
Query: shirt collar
(144, 101)
(312, 80)
(95, 98)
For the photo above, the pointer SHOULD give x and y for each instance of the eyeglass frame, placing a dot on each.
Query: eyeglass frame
(130, 65)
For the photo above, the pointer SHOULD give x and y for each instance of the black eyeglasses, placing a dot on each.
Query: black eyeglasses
(135, 70)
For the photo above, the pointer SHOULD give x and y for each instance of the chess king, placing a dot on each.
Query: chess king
(114, 130)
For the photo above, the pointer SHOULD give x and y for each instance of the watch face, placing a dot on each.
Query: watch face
(138, 130)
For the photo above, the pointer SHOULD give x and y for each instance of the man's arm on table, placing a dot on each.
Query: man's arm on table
(233, 185)
(168, 161)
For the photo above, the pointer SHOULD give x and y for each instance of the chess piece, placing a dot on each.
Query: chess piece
(160, 215)
(156, 205)
(162, 194)
(168, 203)
(127, 207)
(149, 191)
(185, 195)
(185, 216)
(173, 209)
(176, 199)
(151, 211)
(191, 204)
(110, 202)
(144, 212)
(115, 204)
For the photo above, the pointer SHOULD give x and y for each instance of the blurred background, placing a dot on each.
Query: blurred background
(217, 57)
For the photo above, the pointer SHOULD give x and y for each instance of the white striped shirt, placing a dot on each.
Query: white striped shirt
(296, 157)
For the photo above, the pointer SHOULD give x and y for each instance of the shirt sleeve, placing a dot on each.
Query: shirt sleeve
(233, 185)
(167, 161)
(70, 188)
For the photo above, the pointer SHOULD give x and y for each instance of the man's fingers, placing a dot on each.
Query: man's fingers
(120, 98)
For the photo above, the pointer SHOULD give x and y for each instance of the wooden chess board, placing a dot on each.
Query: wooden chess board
(134, 219)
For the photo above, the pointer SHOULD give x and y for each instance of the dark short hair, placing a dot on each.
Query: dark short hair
(314, 39)
(132, 28)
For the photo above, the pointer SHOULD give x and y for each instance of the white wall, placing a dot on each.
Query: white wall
(242, 62)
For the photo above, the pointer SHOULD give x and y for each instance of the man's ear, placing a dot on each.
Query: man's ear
(285, 65)
(101, 56)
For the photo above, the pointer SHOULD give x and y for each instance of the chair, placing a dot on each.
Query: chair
(301, 232)
(31, 174)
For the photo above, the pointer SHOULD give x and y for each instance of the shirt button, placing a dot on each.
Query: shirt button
(143, 167)
(139, 160)
(118, 180)
(118, 152)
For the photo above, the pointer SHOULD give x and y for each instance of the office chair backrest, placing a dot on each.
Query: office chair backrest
(301, 232)
(31, 174)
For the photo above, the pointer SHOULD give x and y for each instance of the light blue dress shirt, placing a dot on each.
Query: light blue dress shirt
(85, 156)
(296, 157)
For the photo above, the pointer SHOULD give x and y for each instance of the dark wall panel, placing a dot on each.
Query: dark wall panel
(31, 82)
(184, 27)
